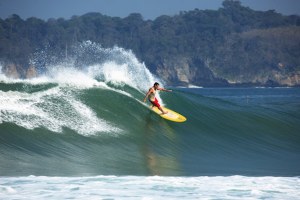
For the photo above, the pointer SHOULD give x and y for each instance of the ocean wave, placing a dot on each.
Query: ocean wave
(87, 118)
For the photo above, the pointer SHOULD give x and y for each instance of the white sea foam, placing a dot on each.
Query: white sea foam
(153, 187)
(194, 86)
(53, 109)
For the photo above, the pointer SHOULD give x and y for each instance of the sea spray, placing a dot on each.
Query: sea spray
(110, 65)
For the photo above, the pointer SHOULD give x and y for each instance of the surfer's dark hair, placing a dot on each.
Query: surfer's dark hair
(156, 83)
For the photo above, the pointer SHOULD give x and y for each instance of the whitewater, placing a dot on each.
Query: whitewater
(132, 187)
(81, 131)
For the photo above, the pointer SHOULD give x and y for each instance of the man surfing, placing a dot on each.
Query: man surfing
(151, 96)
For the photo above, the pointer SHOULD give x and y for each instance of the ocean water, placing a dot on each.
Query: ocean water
(83, 133)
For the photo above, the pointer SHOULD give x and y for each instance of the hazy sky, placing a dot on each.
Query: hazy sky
(150, 9)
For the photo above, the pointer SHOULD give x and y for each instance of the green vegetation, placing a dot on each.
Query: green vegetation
(234, 43)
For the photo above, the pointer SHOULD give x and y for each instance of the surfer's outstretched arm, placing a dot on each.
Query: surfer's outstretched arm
(165, 90)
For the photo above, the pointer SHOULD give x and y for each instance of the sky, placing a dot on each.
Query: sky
(150, 9)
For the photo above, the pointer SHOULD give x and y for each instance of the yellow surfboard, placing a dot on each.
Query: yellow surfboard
(171, 115)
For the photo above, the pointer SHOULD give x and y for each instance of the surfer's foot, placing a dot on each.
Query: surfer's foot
(165, 112)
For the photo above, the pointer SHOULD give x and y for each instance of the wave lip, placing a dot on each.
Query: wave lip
(61, 105)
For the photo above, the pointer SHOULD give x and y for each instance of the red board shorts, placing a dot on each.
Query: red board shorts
(155, 102)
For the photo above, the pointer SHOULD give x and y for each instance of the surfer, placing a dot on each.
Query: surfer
(151, 96)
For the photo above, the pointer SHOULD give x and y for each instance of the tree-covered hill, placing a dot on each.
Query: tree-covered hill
(234, 44)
